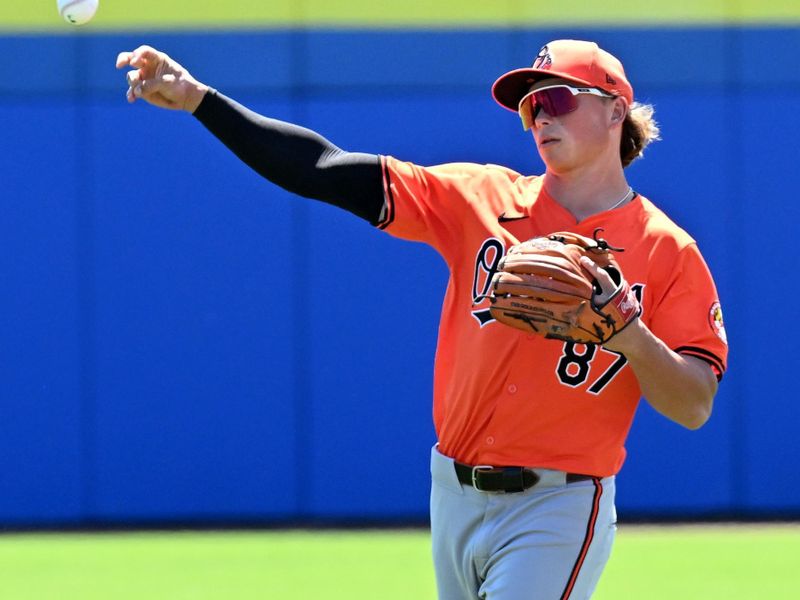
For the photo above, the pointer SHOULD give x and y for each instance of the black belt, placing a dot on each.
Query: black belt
(485, 478)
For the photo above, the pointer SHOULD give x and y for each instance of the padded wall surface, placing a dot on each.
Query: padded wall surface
(181, 341)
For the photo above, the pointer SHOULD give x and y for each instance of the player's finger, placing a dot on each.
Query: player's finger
(137, 78)
(601, 275)
(593, 268)
(147, 87)
(133, 78)
(124, 59)
(590, 266)
(143, 56)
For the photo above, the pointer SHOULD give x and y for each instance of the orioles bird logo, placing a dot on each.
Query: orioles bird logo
(543, 60)
(486, 264)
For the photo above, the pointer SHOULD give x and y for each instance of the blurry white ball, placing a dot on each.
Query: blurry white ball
(77, 12)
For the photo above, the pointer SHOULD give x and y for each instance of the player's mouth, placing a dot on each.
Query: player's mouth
(548, 141)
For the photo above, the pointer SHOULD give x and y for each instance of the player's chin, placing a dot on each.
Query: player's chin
(557, 161)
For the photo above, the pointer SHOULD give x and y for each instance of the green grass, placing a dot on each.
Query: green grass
(229, 565)
(704, 563)
(182, 14)
(648, 563)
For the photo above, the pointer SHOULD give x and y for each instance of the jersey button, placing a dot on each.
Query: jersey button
(490, 440)
(512, 389)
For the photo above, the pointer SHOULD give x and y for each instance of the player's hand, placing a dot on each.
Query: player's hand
(607, 285)
(626, 339)
(159, 80)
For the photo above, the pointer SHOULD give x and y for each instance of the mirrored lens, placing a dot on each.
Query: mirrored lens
(554, 101)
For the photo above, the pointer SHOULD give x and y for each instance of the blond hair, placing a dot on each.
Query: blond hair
(638, 130)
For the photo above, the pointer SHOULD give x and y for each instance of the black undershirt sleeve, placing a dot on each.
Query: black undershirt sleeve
(295, 158)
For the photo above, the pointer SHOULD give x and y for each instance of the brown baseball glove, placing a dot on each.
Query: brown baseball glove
(541, 287)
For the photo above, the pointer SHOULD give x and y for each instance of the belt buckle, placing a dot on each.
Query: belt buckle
(475, 471)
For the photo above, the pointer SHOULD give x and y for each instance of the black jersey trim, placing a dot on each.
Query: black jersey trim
(706, 356)
(388, 218)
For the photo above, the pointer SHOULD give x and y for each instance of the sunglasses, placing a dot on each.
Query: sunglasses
(556, 100)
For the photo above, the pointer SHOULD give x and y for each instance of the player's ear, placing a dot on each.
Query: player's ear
(619, 110)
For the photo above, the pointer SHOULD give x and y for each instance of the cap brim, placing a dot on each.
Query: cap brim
(510, 88)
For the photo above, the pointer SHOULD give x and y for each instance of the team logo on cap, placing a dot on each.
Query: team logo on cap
(543, 59)
(716, 322)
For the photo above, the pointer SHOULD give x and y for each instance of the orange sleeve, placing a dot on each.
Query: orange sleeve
(688, 315)
(430, 204)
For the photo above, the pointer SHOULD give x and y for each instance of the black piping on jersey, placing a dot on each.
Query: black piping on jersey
(587, 540)
(704, 355)
(297, 159)
(389, 197)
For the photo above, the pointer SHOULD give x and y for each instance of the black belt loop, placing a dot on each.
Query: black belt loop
(513, 480)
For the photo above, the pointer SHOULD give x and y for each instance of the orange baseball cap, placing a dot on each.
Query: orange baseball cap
(584, 63)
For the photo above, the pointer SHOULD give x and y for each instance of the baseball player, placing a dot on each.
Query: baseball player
(530, 429)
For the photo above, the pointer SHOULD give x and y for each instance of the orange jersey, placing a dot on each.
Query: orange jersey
(504, 397)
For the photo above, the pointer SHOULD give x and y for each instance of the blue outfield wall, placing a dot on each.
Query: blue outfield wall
(183, 341)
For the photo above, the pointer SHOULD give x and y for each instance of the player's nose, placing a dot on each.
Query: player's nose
(542, 118)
